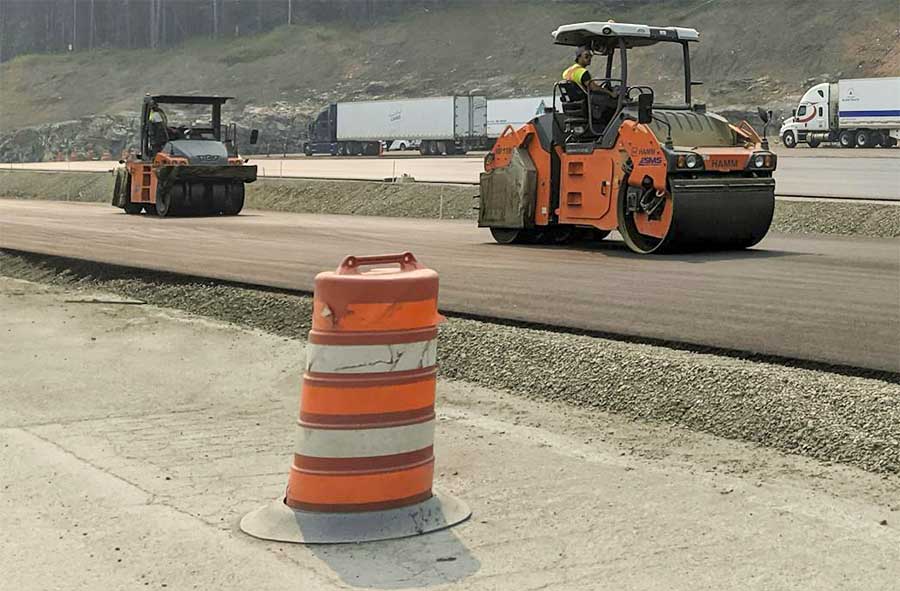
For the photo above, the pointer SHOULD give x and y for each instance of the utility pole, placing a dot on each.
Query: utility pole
(92, 25)
(215, 16)
(74, 25)
(152, 31)
(290, 11)
(127, 13)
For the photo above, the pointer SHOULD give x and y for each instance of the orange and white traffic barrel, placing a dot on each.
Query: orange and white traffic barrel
(364, 455)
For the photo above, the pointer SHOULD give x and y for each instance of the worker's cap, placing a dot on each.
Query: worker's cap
(582, 49)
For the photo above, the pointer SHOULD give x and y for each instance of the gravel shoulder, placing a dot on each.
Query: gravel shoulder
(134, 437)
(435, 201)
(814, 413)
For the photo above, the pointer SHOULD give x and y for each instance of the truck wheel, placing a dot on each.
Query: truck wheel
(813, 142)
(846, 139)
(862, 139)
(307, 150)
(789, 139)
(402, 146)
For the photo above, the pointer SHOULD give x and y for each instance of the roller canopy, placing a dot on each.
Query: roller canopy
(189, 99)
(633, 35)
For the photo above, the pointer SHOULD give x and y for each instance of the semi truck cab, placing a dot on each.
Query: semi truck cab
(813, 114)
(862, 113)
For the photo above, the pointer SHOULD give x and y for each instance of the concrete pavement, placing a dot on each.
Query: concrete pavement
(134, 438)
(822, 298)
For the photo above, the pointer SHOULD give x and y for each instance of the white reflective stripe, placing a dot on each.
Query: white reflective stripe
(370, 358)
(363, 443)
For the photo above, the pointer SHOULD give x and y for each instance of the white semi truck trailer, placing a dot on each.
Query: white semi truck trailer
(861, 113)
(441, 125)
(514, 111)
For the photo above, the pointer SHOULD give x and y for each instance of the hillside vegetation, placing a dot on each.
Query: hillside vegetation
(761, 52)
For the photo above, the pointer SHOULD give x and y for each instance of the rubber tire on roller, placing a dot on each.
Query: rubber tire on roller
(235, 200)
(166, 201)
(594, 235)
(507, 235)
(560, 235)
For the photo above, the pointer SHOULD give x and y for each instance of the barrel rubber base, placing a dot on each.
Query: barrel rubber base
(280, 523)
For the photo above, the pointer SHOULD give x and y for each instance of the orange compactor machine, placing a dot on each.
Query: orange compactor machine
(666, 177)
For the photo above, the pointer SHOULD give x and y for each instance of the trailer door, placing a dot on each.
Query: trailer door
(479, 116)
(462, 116)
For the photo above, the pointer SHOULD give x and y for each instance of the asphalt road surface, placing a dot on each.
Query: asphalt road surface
(846, 176)
(827, 299)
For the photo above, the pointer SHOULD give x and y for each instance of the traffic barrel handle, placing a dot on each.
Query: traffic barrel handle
(351, 264)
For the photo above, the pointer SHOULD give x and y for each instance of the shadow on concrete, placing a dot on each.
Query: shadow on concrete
(422, 561)
(616, 249)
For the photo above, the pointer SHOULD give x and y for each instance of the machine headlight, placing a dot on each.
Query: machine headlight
(686, 161)
(762, 161)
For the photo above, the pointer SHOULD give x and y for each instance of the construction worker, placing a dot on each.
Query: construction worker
(159, 130)
(603, 100)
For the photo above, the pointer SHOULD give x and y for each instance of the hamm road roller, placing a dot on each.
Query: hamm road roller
(668, 177)
(184, 167)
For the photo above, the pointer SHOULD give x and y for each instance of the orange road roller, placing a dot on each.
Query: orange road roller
(607, 157)
(186, 166)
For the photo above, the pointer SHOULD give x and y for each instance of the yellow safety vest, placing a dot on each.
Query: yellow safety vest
(574, 73)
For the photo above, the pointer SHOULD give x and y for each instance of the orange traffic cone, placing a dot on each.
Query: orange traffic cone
(364, 459)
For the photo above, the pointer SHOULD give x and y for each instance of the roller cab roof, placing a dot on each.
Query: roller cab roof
(188, 99)
(607, 34)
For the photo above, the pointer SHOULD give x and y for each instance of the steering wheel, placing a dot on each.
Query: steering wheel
(639, 90)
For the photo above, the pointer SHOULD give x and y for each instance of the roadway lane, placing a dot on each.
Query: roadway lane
(828, 299)
(869, 177)
(861, 178)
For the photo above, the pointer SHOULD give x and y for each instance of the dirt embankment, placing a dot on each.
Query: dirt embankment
(501, 49)
(417, 200)
(827, 416)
